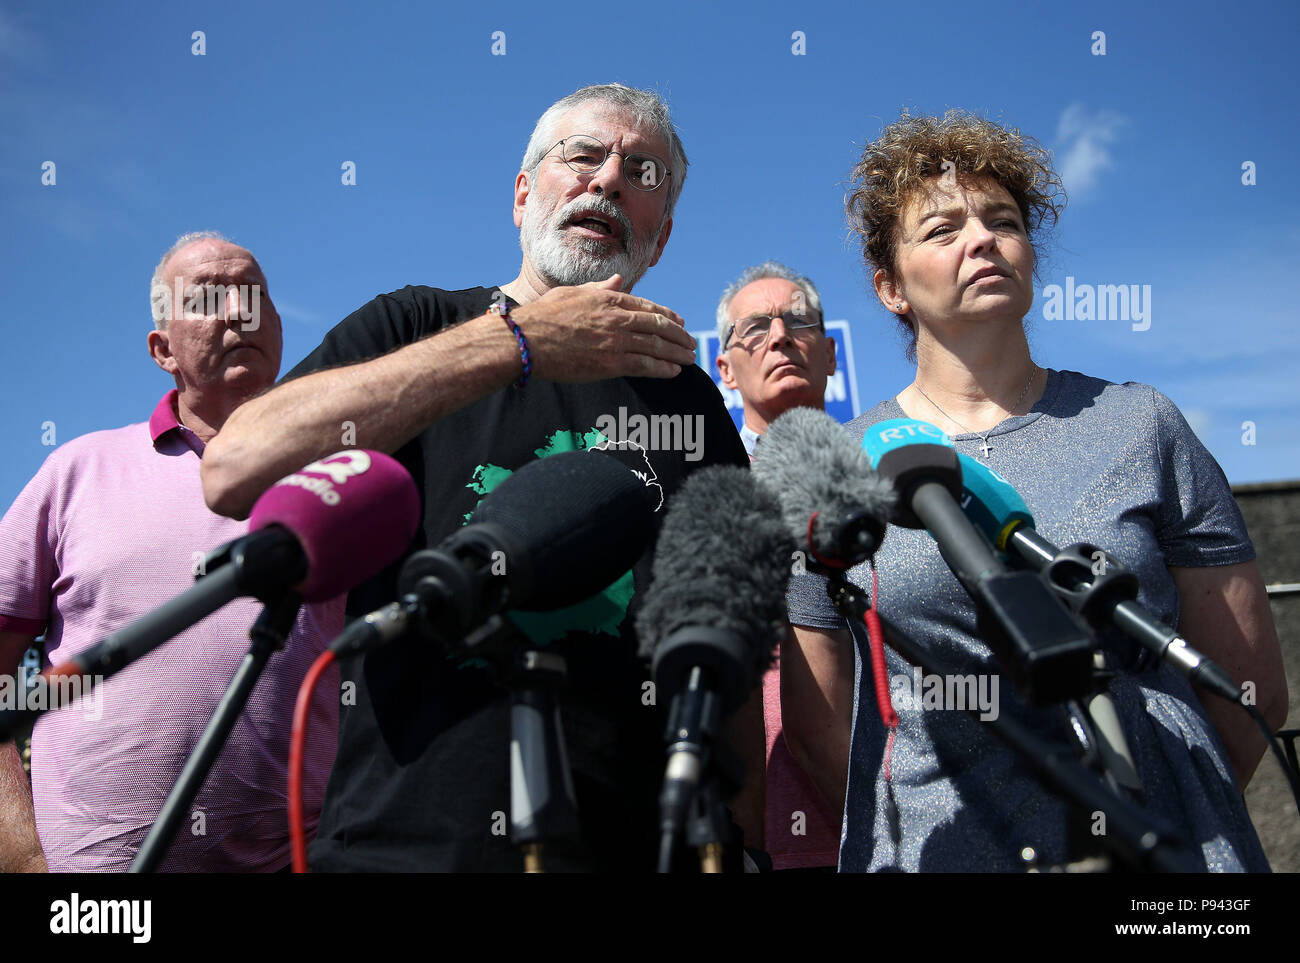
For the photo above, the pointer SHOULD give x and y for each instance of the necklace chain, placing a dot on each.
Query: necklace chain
(983, 435)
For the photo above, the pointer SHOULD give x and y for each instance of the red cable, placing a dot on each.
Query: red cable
(828, 562)
(883, 703)
(889, 754)
(297, 746)
(887, 714)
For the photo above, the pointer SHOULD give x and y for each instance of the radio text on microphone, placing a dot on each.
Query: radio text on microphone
(918, 429)
(338, 469)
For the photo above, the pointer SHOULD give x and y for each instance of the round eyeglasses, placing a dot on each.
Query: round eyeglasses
(586, 155)
(749, 331)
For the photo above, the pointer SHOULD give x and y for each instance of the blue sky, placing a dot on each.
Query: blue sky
(151, 141)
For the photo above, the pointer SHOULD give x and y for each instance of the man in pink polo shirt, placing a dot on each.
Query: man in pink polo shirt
(775, 352)
(111, 527)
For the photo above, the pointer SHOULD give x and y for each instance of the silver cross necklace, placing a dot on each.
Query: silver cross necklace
(984, 436)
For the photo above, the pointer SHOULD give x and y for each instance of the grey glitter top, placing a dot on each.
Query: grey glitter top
(1115, 465)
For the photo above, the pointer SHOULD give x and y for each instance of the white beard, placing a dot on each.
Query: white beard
(565, 259)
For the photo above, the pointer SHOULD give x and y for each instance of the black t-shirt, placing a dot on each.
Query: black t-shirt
(421, 781)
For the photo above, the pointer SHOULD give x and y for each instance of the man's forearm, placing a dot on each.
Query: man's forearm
(588, 332)
(20, 847)
(817, 707)
(387, 401)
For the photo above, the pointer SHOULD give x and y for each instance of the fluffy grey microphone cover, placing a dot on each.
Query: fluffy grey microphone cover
(811, 464)
(723, 559)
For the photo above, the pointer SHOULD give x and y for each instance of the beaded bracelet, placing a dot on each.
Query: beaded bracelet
(503, 308)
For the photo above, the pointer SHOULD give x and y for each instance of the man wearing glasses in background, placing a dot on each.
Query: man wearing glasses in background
(464, 387)
(775, 350)
(776, 353)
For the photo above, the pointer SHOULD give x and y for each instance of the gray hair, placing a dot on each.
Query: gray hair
(646, 107)
(160, 295)
(759, 272)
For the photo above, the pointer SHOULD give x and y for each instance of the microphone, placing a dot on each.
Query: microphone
(1105, 598)
(555, 532)
(1040, 646)
(343, 519)
(996, 508)
(990, 502)
(713, 613)
(317, 532)
(832, 502)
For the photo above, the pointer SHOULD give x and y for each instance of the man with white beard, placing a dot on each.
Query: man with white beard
(464, 387)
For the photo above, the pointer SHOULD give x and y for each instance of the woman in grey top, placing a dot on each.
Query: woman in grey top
(948, 210)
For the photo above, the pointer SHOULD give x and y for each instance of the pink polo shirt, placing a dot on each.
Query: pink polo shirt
(801, 830)
(109, 529)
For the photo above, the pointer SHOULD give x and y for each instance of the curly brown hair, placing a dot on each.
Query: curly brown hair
(909, 153)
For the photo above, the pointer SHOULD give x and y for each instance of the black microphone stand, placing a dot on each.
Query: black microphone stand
(542, 801)
(542, 806)
(1134, 836)
(701, 770)
(708, 823)
(268, 635)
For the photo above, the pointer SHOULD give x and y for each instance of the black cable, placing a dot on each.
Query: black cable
(1277, 751)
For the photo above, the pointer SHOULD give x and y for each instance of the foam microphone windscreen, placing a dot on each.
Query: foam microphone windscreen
(578, 520)
(811, 464)
(353, 513)
(723, 560)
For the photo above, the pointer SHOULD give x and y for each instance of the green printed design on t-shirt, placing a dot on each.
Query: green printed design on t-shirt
(486, 478)
(568, 441)
(603, 612)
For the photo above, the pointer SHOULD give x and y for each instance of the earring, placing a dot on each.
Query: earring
(898, 306)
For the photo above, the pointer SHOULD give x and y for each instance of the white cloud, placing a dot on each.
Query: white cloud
(1083, 146)
(1200, 420)
(297, 313)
